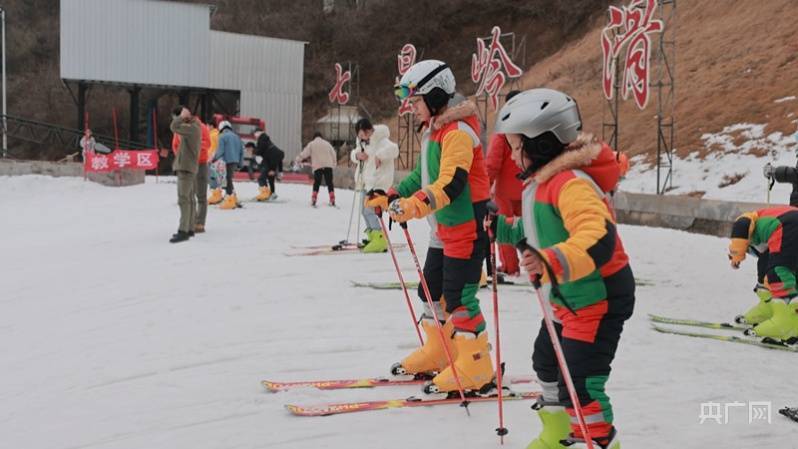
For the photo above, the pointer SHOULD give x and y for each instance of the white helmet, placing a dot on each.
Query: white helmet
(224, 124)
(537, 111)
(423, 77)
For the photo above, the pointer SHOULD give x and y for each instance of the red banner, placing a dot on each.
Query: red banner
(118, 159)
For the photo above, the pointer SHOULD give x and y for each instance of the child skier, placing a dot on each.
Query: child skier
(567, 217)
(449, 185)
(772, 235)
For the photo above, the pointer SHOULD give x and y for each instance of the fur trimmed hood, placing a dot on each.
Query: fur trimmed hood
(462, 111)
(588, 154)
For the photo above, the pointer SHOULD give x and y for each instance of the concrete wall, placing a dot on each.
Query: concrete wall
(17, 168)
(711, 217)
(75, 169)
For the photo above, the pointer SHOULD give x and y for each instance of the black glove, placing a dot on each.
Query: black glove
(491, 218)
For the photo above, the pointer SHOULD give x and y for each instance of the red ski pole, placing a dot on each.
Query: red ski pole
(555, 341)
(399, 273)
(428, 295)
(501, 430)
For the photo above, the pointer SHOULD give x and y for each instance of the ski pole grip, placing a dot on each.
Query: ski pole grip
(403, 224)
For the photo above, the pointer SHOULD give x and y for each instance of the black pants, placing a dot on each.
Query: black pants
(327, 173)
(232, 168)
(588, 360)
(265, 177)
(457, 279)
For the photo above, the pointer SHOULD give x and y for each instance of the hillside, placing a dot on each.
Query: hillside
(735, 64)
(368, 32)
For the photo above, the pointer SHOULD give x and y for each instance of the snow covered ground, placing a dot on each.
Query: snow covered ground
(732, 171)
(110, 337)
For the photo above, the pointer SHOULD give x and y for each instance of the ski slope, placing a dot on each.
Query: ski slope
(112, 338)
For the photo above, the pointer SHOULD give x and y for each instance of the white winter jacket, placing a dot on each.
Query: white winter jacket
(379, 148)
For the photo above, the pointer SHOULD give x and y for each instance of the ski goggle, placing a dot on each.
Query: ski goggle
(403, 91)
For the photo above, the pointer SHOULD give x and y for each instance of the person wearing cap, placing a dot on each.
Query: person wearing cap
(771, 235)
(231, 150)
(567, 218)
(448, 187)
(185, 166)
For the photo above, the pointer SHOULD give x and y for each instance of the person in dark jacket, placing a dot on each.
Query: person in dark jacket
(271, 164)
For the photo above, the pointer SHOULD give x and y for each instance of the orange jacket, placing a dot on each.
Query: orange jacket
(205, 144)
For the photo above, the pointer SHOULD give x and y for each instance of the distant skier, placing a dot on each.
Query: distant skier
(376, 153)
(322, 159)
(271, 164)
(449, 186)
(231, 151)
(772, 236)
(566, 216)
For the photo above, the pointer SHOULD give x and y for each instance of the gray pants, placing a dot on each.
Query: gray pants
(186, 199)
(372, 220)
(202, 193)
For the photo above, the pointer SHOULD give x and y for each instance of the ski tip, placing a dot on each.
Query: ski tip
(295, 410)
(271, 387)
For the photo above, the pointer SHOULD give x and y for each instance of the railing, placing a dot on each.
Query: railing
(48, 134)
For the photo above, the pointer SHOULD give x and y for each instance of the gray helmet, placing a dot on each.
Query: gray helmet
(537, 111)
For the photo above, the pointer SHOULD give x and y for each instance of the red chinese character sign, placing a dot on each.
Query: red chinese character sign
(118, 159)
(489, 65)
(337, 94)
(405, 60)
(630, 26)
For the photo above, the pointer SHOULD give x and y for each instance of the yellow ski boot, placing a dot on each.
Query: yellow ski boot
(760, 312)
(556, 426)
(473, 365)
(783, 325)
(429, 359)
(263, 194)
(230, 202)
(216, 196)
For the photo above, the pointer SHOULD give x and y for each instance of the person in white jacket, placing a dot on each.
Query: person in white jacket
(374, 155)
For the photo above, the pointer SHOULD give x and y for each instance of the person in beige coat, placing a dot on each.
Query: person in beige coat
(185, 167)
(322, 159)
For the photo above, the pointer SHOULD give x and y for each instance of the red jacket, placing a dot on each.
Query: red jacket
(502, 170)
(205, 145)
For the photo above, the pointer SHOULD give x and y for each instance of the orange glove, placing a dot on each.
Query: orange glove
(404, 209)
(737, 249)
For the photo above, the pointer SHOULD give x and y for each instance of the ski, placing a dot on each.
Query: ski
(327, 250)
(367, 382)
(790, 412)
(327, 245)
(414, 284)
(697, 323)
(333, 249)
(352, 407)
(730, 338)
